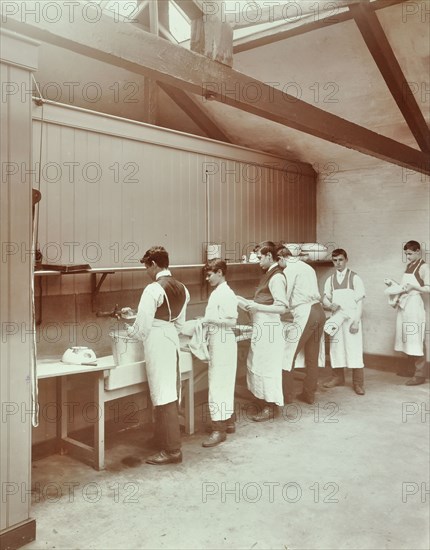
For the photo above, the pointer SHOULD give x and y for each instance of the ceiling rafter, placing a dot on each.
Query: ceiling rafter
(195, 112)
(381, 51)
(301, 26)
(160, 14)
(130, 48)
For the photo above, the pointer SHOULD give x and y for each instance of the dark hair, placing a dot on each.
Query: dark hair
(338, 252)
(282, 251)
(157, 254)
(265, 247)
(412, 245)
(216, 264)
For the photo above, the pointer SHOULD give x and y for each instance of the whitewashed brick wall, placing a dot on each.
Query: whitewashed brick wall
(371, 212)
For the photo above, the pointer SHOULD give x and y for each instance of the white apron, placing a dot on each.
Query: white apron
(222, 355)
(346, 349)
(162, 366)
(222, 373)
(292, 333)
(265, 358)
(411, 321)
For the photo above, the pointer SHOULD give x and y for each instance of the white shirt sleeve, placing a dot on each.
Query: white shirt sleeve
(359, 290)
(290, 275)
(222, 304)
(278, 289)
(327, 289)
(228, 305)
(152, 297)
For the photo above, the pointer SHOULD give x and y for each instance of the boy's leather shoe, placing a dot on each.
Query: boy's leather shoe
(334, 381)
(268, 413)
(214, 439)
(415, 381)
(359, 390)
(165, 457)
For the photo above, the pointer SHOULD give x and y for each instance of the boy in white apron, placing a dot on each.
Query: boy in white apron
(343, 296)
(265, 357)
(304, 302)
(411, 314)
(220, 317)
(160, 316)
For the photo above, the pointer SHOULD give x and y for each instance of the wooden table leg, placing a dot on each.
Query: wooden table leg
(62, 422)
(189, 403)
(99, 425)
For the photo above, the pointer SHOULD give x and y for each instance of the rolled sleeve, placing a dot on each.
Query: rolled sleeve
(327, 289)
(150, 300)
(278, 289)
(359, 290)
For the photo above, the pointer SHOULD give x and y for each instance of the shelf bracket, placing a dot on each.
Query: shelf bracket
(95, 287)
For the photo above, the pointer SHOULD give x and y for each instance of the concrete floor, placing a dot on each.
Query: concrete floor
(349, 472)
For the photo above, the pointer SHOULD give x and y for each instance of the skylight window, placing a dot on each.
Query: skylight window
(179, 24)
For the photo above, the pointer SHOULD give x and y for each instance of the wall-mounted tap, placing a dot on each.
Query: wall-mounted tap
(118, 313)
(115, 313)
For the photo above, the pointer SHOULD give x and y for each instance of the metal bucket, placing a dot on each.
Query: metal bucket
(125, 349)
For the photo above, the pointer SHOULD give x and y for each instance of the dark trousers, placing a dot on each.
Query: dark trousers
(357, 375)
(168, 433)
(419, 367)
(309, 341)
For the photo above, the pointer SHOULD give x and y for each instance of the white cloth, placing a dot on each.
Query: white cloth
(346, 349)
(333, 324)
(265, 357)
(222, 305)
(199, 340)
(411, 319)
(396, 293)
(160, 342)
(302, 293)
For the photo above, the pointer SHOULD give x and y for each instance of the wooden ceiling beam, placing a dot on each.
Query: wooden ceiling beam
(191, 9)
(381, 51)
(128, 47)
(193, 110)
(302, 26)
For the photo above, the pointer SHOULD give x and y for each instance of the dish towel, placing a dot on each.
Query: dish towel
(397, 296)
(199, 336)
(333, 324)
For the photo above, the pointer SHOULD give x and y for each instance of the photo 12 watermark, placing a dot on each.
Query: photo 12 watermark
(319, 413)
(69, 11)
(415, 491)
(273, 492)
(72, 491)
(417, 412)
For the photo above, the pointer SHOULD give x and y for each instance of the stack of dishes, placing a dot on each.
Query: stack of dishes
(294, 248)
(315, 251)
